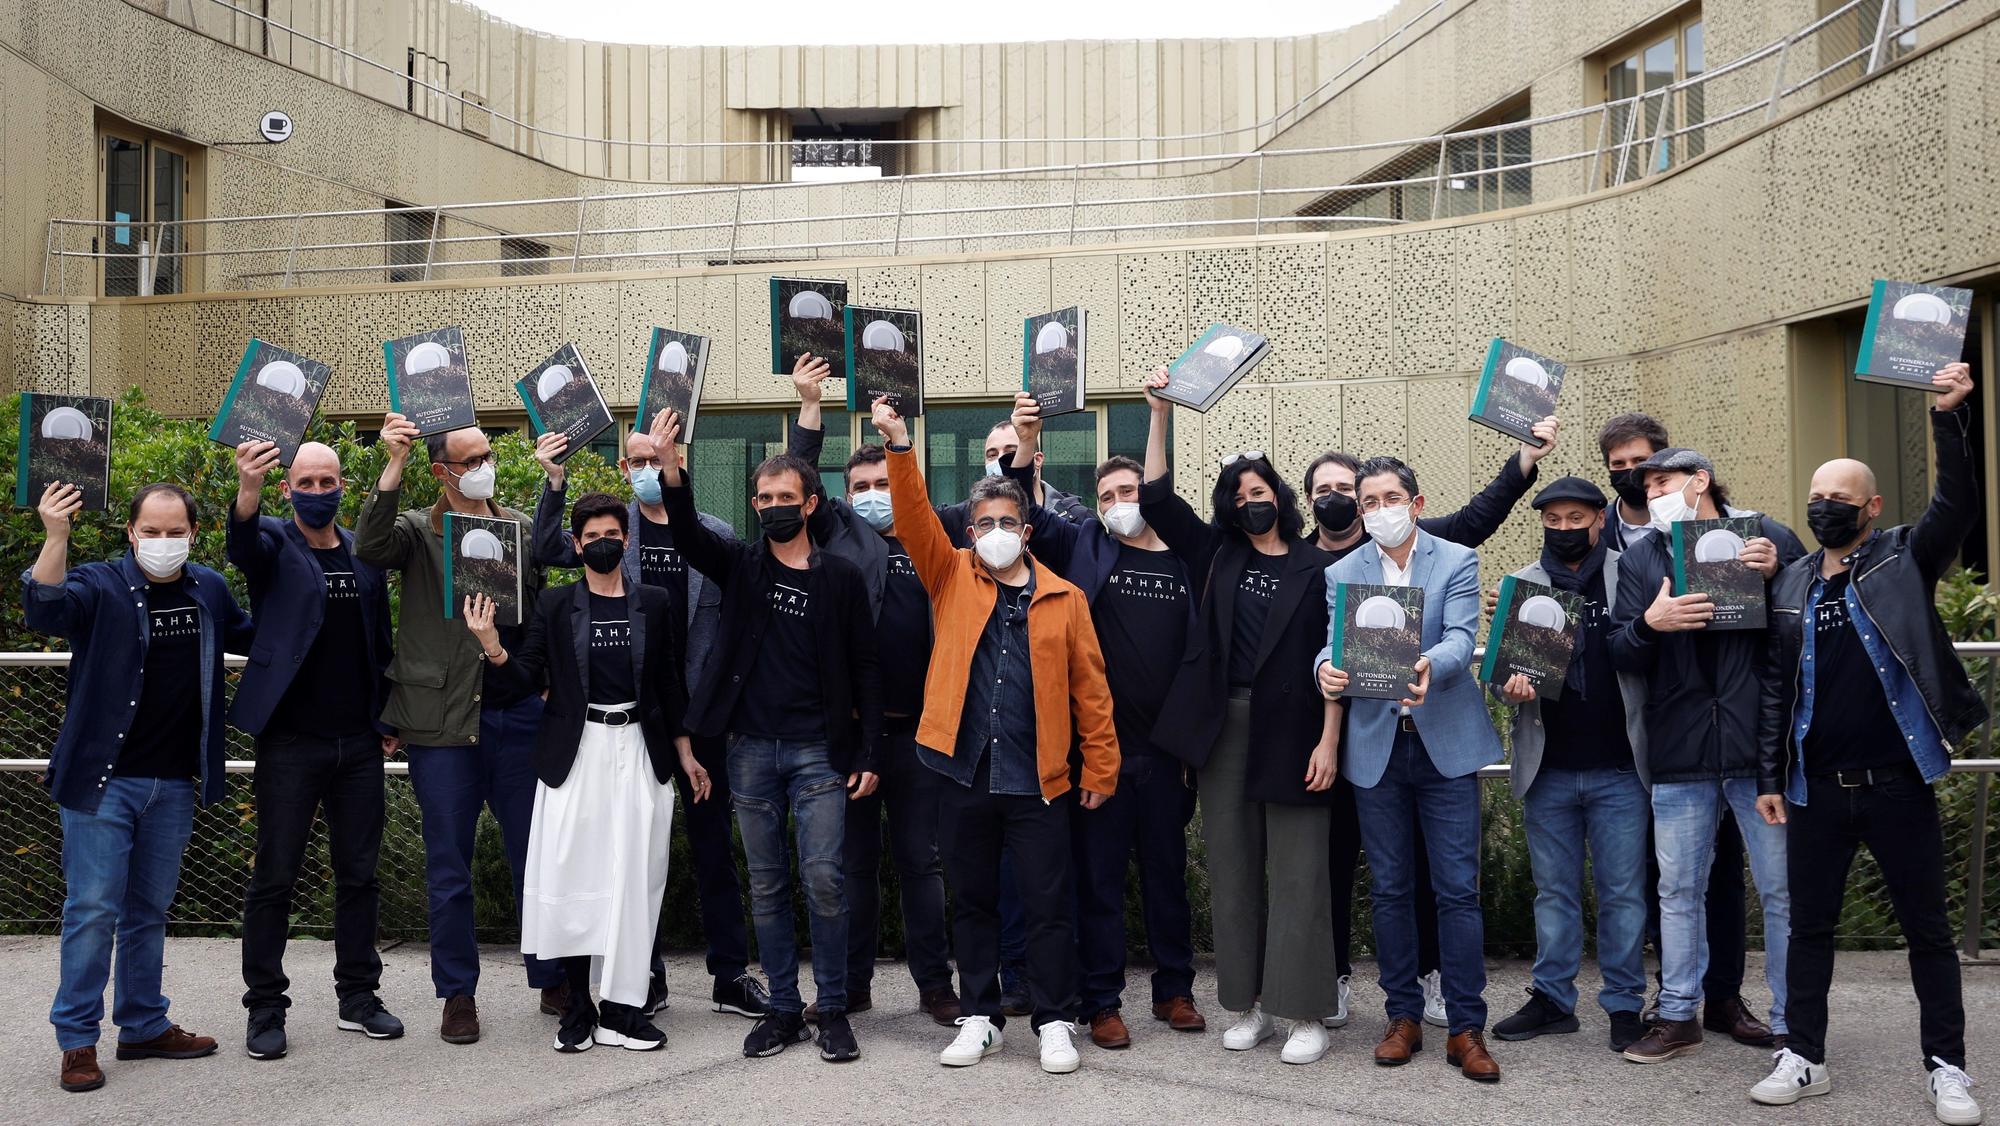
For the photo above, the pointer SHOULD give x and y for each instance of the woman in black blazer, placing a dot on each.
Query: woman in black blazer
(604, 803)
(1261, 737)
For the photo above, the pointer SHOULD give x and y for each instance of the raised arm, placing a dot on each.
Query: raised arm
(1055, 536)
(1954, 507)
(809, 374)
(56, 602)
(917, 524)
(711, 554)
(249, 550)
(1483, 515)
(552, 545)
(378, 537)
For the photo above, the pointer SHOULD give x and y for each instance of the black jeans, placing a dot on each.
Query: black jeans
(908, 792)
(1148, 816)
(341, 777)
(1898, 820)
(712, 840)
(1346, 855)
(1724, 904)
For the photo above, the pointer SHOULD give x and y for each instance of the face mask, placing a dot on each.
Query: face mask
(782, 523)
(1123, 519)
(603, 555)
(999, 548)
(1390, 525)
(1334, 512)
(316, 510)
(161, 558)
(1257, 517)
(1834, 523)
(875, 509)
(1628, 486)
(993, 469)
(1673, 507)
(477, 484)
(646, 485)
(1567, 544)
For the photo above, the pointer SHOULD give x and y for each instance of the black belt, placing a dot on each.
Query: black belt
(1406, 723)
(610, 718)
(1854, 779)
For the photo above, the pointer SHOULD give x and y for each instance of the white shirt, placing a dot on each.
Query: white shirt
(1393, 575)
(1633, 532)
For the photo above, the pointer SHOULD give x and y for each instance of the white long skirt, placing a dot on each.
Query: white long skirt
(597, 862)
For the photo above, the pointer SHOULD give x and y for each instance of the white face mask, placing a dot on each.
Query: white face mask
(477, 484)
(1672, 507)
(993, 469)
(1123, 519)
(161, 558)
(1389, 525)
(999, 548)
(875, 508)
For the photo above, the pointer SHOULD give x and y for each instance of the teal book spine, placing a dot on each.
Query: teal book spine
(450, 555)
(847, 330)
(777, 332)
(235, 387)
(1486, 377)
(1501, 610)
(21, 451)
(1679, 547)
(534, 415)
(1877, 298)
(1337, 646)
(389, 366)
(1027, 349)
(646, 377)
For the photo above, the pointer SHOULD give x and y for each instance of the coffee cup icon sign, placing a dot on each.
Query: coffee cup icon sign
(1051, 337)
(1529, 372)
(1926, 308)
(481, 544)
(881, 336)
(1543, 611)
(1381, 612)
(1227, 347)
(553, 379)
(66, 423)
(427, 356)
(1718, 545)
(673, 358)
(810, 304)
(284, 377)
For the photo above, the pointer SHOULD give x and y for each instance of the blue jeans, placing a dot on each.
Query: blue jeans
(451, 785)
(1566, 809)
(769, 778)
(1684, 820)
(121, 865)
(1413, 793)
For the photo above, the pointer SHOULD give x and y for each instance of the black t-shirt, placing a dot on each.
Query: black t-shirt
(329, 691)
(1254, 592)
(1587, 731)
(905, 632)
(1852, 726)
(660, 562)
(610, 656)
(782, 698)
(1142, 622)
(165, 740)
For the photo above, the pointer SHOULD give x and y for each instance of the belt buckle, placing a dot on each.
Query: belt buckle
(1406, 723)
(1867, 779)
(623, 717)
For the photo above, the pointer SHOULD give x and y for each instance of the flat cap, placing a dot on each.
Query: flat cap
(1569, 488)
(1675, 459)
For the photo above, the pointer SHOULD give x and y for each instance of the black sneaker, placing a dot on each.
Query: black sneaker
(265, 1039)
(656, 996)
(1539, 1017)
(774, 1033)
(625, 1027)
(366, 1014)
(1626, 1029)
(836, 1038)
(579, 1022)
(745, 996)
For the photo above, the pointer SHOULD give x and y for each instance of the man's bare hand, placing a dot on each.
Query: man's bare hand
(1672, 613)
(1516, 689)
(894, 430)
(808, 373)
(1421, 687)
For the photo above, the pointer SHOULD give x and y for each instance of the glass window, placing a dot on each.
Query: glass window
(169, 184)
(836, 449)
(1695, 63)
(408, 234)
(124, 210)
(727, 447)
(145, 198)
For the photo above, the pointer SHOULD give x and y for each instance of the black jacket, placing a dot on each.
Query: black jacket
(1895, 574)
(556, 655)
(1287, 713)
(1695, 730)
(850, 680)
(1481, 517)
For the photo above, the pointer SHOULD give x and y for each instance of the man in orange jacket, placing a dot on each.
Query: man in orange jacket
(1015, 679)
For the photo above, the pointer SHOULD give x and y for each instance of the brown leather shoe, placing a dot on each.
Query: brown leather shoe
(1467, 1052)
(1107, 1030)
(1181, 1015)
(461, 1021)
(1734, 1019)
(555, 1000)
(1665, 1039)
(943, 1005)
(176, 1043)
(1401, 1040)
(856, 1003)
(80, 1071)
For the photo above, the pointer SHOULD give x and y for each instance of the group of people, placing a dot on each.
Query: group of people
(1024, 696)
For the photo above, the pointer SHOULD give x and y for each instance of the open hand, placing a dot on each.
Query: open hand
(479, 613)
(1420, 687)
(1672, 613)
(808, 373)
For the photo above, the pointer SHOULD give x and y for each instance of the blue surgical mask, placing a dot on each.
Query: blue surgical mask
(993, 469)
(646, 485)
(875, 507)
(316, 510)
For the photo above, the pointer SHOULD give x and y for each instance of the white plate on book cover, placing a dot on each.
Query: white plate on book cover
(809, 304)
(1381, 612)
(66, 423)
(554, 378)
(1529, 372)
(1927, 307)
(1717, 545)
(1051, 337)
(1543, 611)
(881, 336)
(1228, 347)
(427, 356)
(673, 358)
(284, 377)
(481, 544)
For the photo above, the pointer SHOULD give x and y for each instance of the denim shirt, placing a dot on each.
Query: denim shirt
(1002, 683)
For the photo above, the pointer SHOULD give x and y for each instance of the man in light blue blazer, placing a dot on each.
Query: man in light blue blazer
(1417, 758)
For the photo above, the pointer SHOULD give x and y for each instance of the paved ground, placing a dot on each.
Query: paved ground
(701, 1076)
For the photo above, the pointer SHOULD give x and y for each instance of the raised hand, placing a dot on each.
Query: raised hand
(1545, 432)
(1671, 613)
(58, 508)
(1955, 380)
(253, 461)
(1027, 418)
(888, 423)
(1153, 383)
(808, 373)
(548, 448)
(398, 434)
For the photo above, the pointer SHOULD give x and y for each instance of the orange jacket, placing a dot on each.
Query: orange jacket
(1068, 667)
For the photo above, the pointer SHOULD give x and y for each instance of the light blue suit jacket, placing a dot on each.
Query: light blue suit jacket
(1452, 720)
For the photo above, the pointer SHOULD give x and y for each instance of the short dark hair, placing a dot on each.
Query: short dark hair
(1223, 501)
(1376, 466)
(1341, 458)
(863, 455)
(997, 488)
(1119, 462)
(1622, 428)
(1007, 422)
(590, 506)
(139, 499)
(434, 444)
(778, 464)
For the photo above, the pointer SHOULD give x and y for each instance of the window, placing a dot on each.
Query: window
(1667, 52)
(523, 257)
(1473, 179)
(408, 234)
(840, 144)
(1848, 43)
(148, 192)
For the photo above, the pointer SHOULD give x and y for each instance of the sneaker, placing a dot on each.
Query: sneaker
(1626, 1028)
(1950, 1095)
(623, 1026)
(265, 1039)
(836, 1038)
(1664, 1040)
(1058, 1051)
(1433, 984)
(1307, 1043)
(1793, 1078)
(1255, 1028)
(656, 996)
(176, 1043)
(744, 996)
(977, 1038)
(774, 1033)
(1540, 1016)
(1340, 1016)
(579, 1024)
(366, 1014)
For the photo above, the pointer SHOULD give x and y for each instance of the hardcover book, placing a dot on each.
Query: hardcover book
(1517, 388)
(1212, 365)
(64, 438)
(428, 380)
(1707, 560)
(1912, 330)
(675, 364)
(482, 555)
(807, 316)
(1533, 633)
(885, 357)
(561, 396)
(272, 399)
(1052, 359)
(1378, 634)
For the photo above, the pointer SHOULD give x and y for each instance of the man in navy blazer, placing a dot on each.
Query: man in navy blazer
(310, 694)
(1417, 759)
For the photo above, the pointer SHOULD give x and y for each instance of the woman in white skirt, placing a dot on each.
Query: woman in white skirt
(604, 803)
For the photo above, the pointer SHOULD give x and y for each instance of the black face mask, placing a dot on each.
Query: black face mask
(1334, 512)
(1569, 545)
(1257, 517)
(1630, 487)
(782, 523)
(1834, 523)
(604, 555)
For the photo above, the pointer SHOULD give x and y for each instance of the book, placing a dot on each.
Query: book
(675, 364)
(272, 399)
(1052, 360)
(1212, 365)
(885, 357)
(482, 555)
(561, 395)
(1912, 330)
(1706, 556)
(1533, 633)
(807, 316)
(64, 438)
(428, 380)
(1378, 634)
(1517, 388)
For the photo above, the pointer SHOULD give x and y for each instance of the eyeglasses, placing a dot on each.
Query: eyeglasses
(645, 463)
(1247, 455)
(1004, 523)
(473, 463)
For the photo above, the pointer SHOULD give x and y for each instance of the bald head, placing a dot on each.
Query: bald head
(314, 462)
(1844, 479)
(1842, 506)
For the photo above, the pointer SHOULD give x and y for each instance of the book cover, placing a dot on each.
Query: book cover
(675, 364)
(1052, 360)
(885, 357)
(561, 396)
(1378, 634)
(1212, 365)
(428, 380)
(1533, 633)
(63, 438)
(1912, 330)
(806, 316)
(1517, 388)
(1707, 559)
(482, 555)
(272, 399)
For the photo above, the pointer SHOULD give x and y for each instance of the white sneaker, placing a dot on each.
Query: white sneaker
(1339, 1017)
(1950, 1095)
(1307, 1043)
(1058, 1053)
(1792, 1079)
(1434, 999)
(1255, 1028)
(977, 1039)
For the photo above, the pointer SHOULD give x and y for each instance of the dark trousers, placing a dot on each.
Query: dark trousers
(712, 841)
(1346, 857)
(974, 827)
(1147, 818)
(908, 794)
(1898, 820)
(1724, 903)
(1013, 931)
(298, 776)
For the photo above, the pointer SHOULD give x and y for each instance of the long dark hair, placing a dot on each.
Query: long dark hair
(1290, 524)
